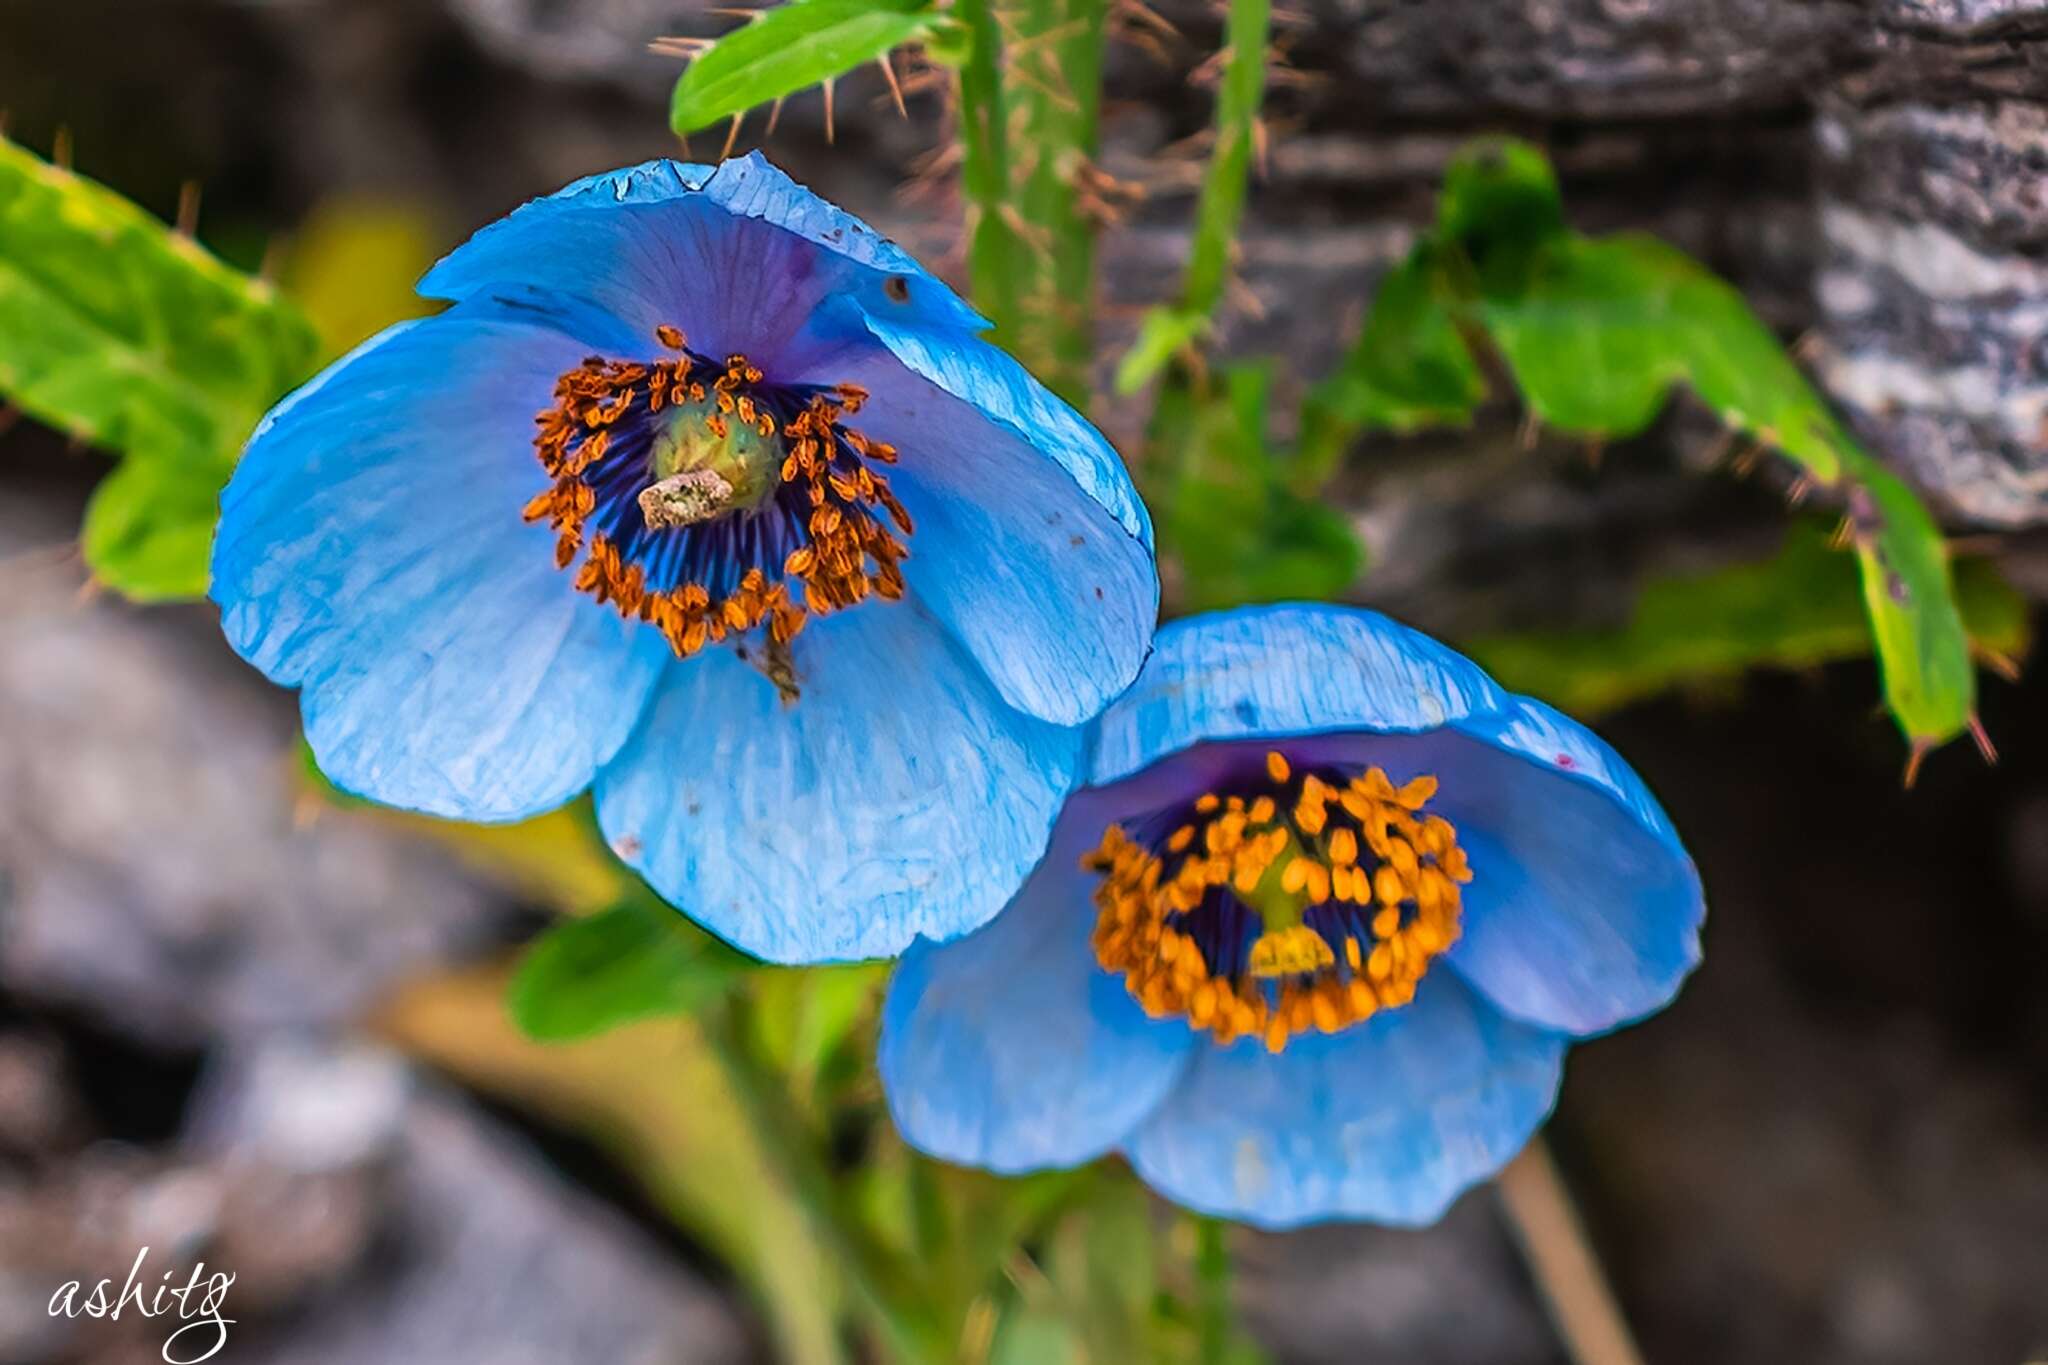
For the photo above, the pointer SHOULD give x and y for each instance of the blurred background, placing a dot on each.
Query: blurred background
(241, 1019)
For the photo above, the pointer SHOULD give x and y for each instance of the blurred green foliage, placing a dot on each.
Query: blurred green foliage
(132, 337)
(635, 960)
(1800, 608)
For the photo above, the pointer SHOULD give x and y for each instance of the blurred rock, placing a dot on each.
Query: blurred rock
(1453, 1294)
(153, 871)
(366, 1216)
(1934, 295)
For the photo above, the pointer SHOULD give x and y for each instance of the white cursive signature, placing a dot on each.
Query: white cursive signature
(198, 1303)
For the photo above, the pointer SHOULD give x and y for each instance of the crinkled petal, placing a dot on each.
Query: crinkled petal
(1584, 911)
(1030, 541)
(1012, 1048)
(738, 255)
(1292, 669)
(1388, 1120)
(898, 796)
(371, 550)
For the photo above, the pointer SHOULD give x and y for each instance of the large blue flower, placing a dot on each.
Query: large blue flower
(706, 495)
(1313, 942)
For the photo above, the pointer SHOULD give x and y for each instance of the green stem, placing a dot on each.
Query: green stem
(1212, 1291)
(1217, 216)
(1057, 85)
(993, 256)
(1230, 162)
(880, 1285)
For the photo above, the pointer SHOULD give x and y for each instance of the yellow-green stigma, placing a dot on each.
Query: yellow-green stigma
(708, 501)
(1283, 903)
(704, 466)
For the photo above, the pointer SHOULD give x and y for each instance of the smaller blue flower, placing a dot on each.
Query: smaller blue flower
(704, 497)
(1313, 941)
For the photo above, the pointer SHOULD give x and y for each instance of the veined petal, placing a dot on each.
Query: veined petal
(1389, 1120)
(1011, 1048)
(1584, 911)
(1031, 543)
(371, 550)
(738, 256)
(898, 796)
(1293, 669)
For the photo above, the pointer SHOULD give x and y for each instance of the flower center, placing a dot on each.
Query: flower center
(707, 501)
(1281, 902)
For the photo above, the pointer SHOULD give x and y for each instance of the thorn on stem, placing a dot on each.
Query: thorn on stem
(895, 87)
(2004, 665)
(774, 117)
(1530, 430)
(1983, 739)
(829, 137)
(1921, 748)
(187, 222)
(732, 135)
(1844, 532)
(1798, 492)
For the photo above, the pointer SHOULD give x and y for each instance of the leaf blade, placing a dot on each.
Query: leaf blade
(791, 48)
(633, 961)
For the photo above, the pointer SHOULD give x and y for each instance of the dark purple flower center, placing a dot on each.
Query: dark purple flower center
(1281, 901)
(708, 501)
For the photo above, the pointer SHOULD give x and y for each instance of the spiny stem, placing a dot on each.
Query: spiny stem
(993, 250)
(1221, 208)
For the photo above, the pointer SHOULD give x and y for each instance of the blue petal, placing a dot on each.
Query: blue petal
(1584, 911)
(1011, 1048)
(1030, 543)
(738, 256)
(1389, 1120)
(371, 550)
(898, 796)
(1291, 669)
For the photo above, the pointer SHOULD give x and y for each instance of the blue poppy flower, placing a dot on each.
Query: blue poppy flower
(705, 495)
(1312, 942)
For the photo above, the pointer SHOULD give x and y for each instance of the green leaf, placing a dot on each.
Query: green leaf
(1500, 203)
(126, 334)
(148, 530)
(791, 48)
(1410, 368)
(635, 960)
(1800, 608)
(1598, 330)
(1164, 334)
(121, 332)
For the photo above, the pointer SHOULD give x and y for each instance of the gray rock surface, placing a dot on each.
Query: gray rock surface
(157, 873)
